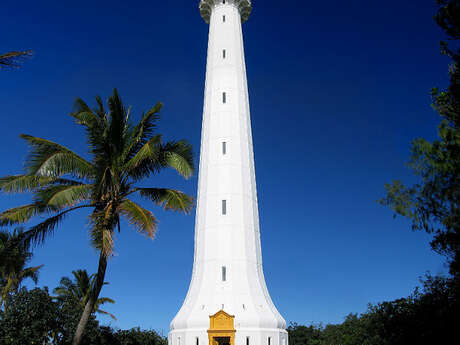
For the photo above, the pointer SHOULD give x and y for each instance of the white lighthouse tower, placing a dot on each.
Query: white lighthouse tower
(228, 301)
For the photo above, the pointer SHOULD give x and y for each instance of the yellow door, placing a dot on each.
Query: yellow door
(221, 329)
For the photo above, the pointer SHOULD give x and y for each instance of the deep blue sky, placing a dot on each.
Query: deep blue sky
(338, 90)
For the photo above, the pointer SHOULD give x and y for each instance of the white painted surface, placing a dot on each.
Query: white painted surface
(231, 240)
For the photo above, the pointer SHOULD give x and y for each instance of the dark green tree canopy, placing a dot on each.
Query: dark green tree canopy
(30, 318)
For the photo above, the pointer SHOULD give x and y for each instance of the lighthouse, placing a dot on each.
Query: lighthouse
(227, 302)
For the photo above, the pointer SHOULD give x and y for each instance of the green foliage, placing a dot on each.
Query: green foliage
(428, 316)
(448, 17)
(36, 318)
(303, 335)
(14, 256)
(30, 318)
(354, 330)
(79, 290)
(33, 317)
(136, 336)
(69, 314)
(433, 204)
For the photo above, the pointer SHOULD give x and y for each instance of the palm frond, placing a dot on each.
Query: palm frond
(37, 234)
(22, 214)
(14, 254)
(142, 132)
(64, 288)
(117, 124)
(106, 313)
(83, 279)
(87, 117)
(169, 199)
(62, 196)
(78, 289)
(31, 272)
(100, 111)
(80, 106)
(179, 156)
(48, 158)
(13, 59)
(103, 300)
(93, 121)
(154, 156)
(27, 183)
(143, 220)
(146, 160)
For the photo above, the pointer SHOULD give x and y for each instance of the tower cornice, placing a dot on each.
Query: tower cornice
(244, 6)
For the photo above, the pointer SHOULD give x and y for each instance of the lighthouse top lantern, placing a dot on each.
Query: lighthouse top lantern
(244, 6)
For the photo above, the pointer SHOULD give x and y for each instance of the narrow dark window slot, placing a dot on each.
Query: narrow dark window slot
(224, 148)
(224, 97)
(224, 274)
(224, 207)
(224, 54)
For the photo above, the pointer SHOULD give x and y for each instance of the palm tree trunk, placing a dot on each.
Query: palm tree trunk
(89, 307)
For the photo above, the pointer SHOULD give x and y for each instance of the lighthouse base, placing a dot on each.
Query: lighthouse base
(242, 336)
(222, 332)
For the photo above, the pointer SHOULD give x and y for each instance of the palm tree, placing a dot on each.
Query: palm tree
(13, 59)
(122, 154)
(14, 256)
(79, 290)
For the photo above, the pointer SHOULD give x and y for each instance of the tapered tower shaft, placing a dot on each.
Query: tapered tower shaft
(227, 270)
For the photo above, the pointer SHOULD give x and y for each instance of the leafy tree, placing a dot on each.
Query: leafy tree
(14, 256)
(136, 336)
(33, 317)
(433, 204)
(13, 59)
(79, 289)
(36, 318)
(69, 315)
(353, 331)
(303, 335)
(29, 318)
(121, 155)
(106, 336)
(428, 316)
